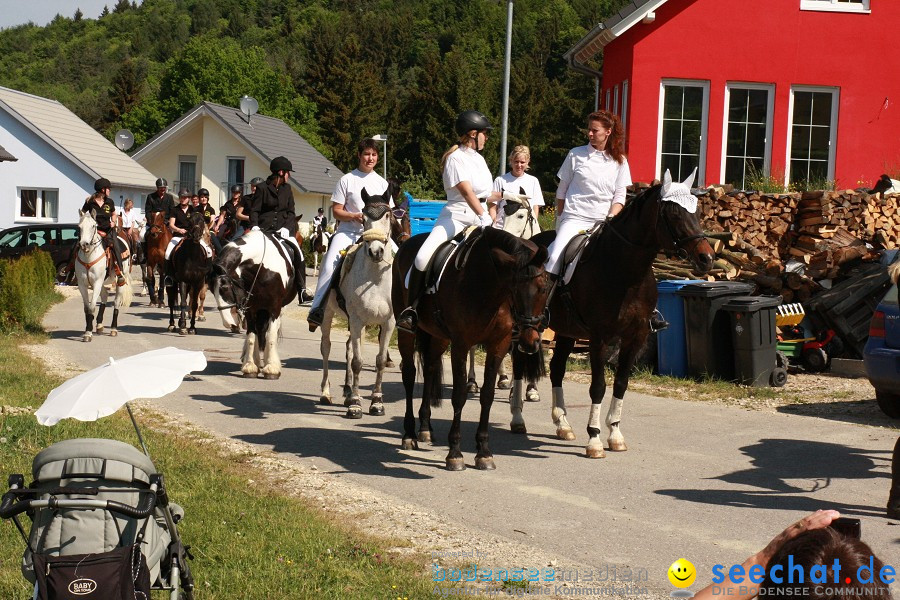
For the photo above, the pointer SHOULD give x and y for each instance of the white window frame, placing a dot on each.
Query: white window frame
(606, 105)
(39, 208)
(832, 141)
(856, 6)
(228, 160)
(704, 124)
(624, 114)
(770, 113)
(616, 100)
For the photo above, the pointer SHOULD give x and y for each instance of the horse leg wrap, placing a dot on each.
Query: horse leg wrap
(616, 440)
(558, 414)
(517, 425)
(594, 447)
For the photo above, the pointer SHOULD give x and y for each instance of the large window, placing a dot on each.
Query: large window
(187, 174)
(235, 170)
(836, 5)
(38, 204)
(812, 143)
(682, 140)
(748, 129)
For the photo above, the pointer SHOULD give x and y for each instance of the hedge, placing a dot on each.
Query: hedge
(26, 291)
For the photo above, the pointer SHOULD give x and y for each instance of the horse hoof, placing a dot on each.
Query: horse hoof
(517, 428)
(565, 434)
(503, 382)
(484, 463)
(99, 328)
(425, 437)
(354, 412)
(376, 410)
(471, 387)
(171, 328)
(271, 375)
(201, 318)
(182, 332)
(113, 332)
(456, 464)
(409, 444)
(86, 338)
(235, 329)
(325, 400)
(389, 364)
(249, 375)
(532, 396)
(594, 452)
(617, 446)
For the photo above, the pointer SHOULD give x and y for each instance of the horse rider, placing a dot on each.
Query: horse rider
(592, 182)
(272, 211)
(208, 212)
(243, 209)
(347, 206)
(179, 223)
(320, 219)
(514, 180)
(229, 213)
(468, 184)
(158, 201)
(104, 211)
(129, 223)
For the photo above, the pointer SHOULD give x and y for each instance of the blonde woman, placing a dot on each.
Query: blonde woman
(513, 181)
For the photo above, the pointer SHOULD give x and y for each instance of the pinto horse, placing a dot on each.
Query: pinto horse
(611, 296)
(254, 274)
(495, 283)
(190, 266)
(157, 238)
(93, 271)
(365, 285)
(319, 244)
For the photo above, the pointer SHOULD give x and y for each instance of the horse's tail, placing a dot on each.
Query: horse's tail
(124, 293)
(423, 352)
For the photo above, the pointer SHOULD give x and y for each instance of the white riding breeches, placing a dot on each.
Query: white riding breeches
(445, 227)
(566, 229)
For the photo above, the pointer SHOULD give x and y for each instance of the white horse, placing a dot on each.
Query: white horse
(519, 220)
(93, 276)
(365, 284)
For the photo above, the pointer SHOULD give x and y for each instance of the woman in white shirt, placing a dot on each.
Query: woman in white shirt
(515, 180)
(467, 182)
(346, 206)
(592, 182)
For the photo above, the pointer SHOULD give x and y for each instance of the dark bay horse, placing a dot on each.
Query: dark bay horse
(190, 266)
(611, 296)
(254, 274)
(157, 239)
(497, 282)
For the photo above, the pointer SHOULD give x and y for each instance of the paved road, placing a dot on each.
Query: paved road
(708, 483)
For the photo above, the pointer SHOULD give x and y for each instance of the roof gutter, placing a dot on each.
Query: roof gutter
(582, 68)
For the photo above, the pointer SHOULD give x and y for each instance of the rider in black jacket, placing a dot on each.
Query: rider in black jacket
(272, 210)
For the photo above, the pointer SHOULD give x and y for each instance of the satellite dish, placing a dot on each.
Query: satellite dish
(124, 139)
(249, 106)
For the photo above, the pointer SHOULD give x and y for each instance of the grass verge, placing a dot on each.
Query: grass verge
(249, 538)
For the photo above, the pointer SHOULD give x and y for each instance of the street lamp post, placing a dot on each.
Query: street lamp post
(382, 137)
(509, 22)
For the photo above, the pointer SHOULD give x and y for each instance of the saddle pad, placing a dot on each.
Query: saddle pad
(444, 254)
(176, 240)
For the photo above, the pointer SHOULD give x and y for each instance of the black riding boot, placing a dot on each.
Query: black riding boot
(893, 507)
(409, 318)
(303, 296)
(657, 321)
(117, 257)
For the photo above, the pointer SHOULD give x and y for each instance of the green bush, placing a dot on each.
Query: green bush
(26, 291)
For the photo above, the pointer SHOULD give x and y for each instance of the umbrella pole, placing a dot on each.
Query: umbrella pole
(137, 430)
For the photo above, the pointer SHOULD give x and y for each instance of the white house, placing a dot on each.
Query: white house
(59, 158)
(214, 147)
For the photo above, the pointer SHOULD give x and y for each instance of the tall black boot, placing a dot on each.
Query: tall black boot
(409, 318)
(303, 297)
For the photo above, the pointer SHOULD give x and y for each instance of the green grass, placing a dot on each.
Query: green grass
(250, 540)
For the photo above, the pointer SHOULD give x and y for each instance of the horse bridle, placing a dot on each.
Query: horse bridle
(525, 322)
(680, 244)
(511, 207)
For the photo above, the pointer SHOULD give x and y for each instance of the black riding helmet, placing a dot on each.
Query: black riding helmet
(280, 163)
(203, 192)
(101, 184)
(257, 180)
(184, 193)
(471, 119)
(237, 188)
(161, 182)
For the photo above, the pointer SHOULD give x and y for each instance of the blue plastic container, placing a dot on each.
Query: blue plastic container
(671, 343)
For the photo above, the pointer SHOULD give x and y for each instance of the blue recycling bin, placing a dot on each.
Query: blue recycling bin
(671, 343)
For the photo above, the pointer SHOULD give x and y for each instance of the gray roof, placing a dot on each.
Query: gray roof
(629, 15)
(268, 137)
(626, 11)
(4, 155)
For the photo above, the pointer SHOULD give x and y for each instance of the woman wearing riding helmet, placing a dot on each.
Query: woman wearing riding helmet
(229, 214)
(104, 211)
(468, 184)
(347, 206)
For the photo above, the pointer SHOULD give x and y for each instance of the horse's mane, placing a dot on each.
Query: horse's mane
(522, 250)
(636, 204)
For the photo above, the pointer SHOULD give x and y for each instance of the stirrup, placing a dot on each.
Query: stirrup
(658, 322)
(315, 318)
(408, 320)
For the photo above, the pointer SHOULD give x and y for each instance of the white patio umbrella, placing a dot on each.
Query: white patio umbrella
(104, 390)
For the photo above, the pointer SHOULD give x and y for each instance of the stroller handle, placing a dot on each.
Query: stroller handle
(11, 506)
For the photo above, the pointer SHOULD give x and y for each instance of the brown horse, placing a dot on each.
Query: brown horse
(611, 295)
(157, 238)
(496, 282)
(190, 267)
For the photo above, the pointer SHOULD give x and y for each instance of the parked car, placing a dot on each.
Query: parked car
(882, 354)
(56, 238)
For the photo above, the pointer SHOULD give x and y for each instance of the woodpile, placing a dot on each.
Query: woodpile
(787, 244)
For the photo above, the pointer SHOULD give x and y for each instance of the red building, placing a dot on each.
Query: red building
(799, 89)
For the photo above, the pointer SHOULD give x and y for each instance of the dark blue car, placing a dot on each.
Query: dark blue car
(882, 354)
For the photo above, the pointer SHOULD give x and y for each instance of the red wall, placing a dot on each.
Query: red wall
(765, 41)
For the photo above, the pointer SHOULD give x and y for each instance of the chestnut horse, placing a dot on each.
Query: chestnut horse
(495, 281)
(610, 296)
(157, 238)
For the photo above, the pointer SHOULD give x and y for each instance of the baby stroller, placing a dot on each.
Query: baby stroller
(101, 524)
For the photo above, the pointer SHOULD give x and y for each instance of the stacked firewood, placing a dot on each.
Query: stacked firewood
(787, 243)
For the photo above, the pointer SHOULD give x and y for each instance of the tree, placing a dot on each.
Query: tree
(122, 6)
(104, 12)
(78, 15)
(125, 91)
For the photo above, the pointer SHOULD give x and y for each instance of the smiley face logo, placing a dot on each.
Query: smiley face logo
(682, 573)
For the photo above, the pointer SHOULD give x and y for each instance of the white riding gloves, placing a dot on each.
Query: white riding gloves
(254, 228)
(283, 232)
(485, 220)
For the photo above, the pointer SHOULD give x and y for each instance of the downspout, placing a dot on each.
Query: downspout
(583, 68)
